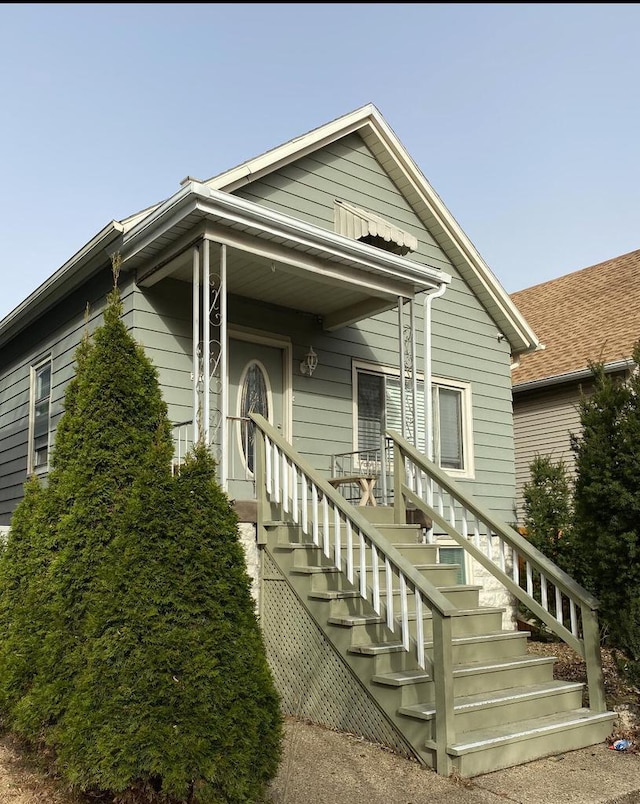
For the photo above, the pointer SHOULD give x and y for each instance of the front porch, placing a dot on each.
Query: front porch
(274, 313)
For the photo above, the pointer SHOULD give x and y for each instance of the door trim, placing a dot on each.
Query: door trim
(247, 334)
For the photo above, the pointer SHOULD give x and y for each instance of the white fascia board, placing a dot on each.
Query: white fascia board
(271, 160)
(572, 376)
(369, 117)
(230, 209)
(56, 286)
(449, 225)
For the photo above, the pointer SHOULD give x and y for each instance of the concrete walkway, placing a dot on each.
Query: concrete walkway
(325, 767)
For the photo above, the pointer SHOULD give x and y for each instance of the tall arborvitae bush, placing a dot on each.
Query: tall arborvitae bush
(146, 670)
(548, 515)
(607, 505)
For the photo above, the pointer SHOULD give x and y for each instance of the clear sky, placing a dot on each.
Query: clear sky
(523, 117)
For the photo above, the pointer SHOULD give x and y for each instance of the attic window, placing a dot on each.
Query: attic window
(367, 227)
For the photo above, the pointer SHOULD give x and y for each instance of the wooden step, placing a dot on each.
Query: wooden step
(503, 746)
(514, 704)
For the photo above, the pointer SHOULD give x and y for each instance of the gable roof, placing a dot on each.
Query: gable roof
(590, 315)
(426, 203)
(386, 147)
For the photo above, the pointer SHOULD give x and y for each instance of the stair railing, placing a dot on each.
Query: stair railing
(548, 592)
(288, 485)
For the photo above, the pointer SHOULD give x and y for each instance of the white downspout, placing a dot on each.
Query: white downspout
(403, 399)
(428, 397)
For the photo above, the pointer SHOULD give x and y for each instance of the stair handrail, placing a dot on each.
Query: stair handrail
(583, 636)
(274, 455)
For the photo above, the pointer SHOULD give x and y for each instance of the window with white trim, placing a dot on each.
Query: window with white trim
(40, 417)
(378, 407)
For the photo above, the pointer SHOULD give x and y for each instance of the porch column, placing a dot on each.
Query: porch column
(224, 370)
(206, 343)
(195, 338)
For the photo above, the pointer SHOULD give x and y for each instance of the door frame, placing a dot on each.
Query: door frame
(247, 334)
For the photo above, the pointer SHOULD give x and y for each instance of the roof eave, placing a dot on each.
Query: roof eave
(69, 276)
(238, 210)
(508, 318)
(571, 376)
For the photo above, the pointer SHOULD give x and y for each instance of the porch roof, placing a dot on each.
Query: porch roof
(273, 257)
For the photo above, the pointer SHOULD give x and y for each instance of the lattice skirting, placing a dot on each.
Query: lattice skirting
(314, 682)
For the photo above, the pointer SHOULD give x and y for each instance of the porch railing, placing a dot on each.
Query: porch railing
(551, 595)
(287, 485)
(182, 434)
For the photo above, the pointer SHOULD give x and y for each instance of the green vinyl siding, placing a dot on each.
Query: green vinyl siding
(466, 346)
(56, 334)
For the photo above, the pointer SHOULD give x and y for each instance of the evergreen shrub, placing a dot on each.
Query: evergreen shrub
(607, 506)
(129, 644)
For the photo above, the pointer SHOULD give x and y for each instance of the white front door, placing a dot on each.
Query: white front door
(256, 385)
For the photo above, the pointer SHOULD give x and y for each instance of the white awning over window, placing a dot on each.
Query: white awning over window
(360, 224)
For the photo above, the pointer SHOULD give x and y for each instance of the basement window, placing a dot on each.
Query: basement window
(368, 227)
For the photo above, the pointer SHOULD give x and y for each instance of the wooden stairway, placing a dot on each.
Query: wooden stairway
(508, 709)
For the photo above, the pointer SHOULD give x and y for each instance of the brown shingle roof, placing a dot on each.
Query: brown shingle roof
(588, 315)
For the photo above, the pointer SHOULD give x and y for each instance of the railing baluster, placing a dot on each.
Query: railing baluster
(276, 473)
(529, 579)
(285, 484)
(305, 503)
(337, 538)
(465, 524)
(375, 579)
(269, 479)
(294, 489)
(349, 551)
(326, 543)
(515, 569)
(501, 553)
(489, 544)
(388, 576)
(559, 614)
(419, 629)
(452, 511)
(574, 617)
(314, 513)
(404, 612)
(476, 533)
(363, 566)
(543, 592)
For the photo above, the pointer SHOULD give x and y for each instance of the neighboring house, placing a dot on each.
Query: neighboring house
(298, 308)
(588, 316)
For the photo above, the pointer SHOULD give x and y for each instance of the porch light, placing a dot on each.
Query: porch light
(310, 363)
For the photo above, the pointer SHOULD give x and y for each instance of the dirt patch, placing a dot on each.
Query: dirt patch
(23, 781)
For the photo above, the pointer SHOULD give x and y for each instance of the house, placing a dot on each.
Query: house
(320, 320)
(583, 317)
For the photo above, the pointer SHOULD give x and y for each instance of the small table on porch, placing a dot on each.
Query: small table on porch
(366, 483)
